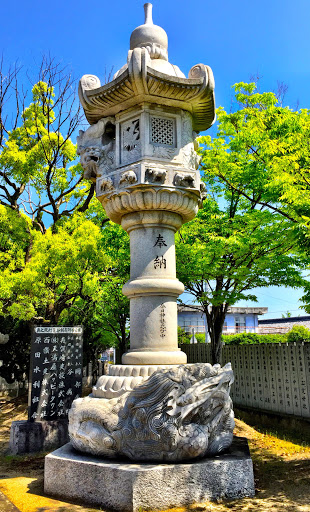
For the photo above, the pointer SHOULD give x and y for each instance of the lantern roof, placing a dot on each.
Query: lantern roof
(149, 77)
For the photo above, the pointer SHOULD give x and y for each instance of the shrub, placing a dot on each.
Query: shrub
(200, 337)
(298, 333)
(183, 337)
(251, 338)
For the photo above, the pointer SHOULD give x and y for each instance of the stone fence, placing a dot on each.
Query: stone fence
(269, 377)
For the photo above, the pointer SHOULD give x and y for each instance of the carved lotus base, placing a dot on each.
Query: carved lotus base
(146, 198)
(123, 379)
(177, 413)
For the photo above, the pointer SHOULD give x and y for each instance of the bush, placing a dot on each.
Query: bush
(183, 337)
(251, 338)
(298, 333)
(200, 337)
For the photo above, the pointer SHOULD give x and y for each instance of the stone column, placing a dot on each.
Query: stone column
(153, 288)
(151, 215)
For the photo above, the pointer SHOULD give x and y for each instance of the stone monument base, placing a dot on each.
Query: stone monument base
(128, 487)
(37, 436)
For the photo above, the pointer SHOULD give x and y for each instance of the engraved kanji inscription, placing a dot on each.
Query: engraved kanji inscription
(160, 262)
(56, 362)
(160, 242)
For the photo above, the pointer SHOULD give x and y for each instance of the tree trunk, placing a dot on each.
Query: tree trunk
(95, 367)
(123, 342)
(215, 319)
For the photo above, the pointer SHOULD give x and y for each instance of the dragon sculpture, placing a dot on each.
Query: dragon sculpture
(178, 413)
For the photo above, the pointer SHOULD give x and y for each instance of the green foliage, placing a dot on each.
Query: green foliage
(247, 338)
(298, 333)
(183, 336)
(288, 314)
(109, 317)
(200, 337)
(306, 297)
(74, 275)
(63, 271)
(255, 218)
(267, 144)
(262, 153)
(15, 240)
(38, 170)
(231, 248)
(238, 246)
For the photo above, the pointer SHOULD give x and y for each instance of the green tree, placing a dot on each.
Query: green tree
(55, 266)
(298, 333)
(64, 270)
(262, 152)
(74, 274)
(38, 173)
(183, 336)
(231, 248)
(288, 314)
(108, 317)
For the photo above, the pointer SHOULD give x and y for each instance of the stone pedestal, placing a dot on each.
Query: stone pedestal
(37, 436)
(129, 487)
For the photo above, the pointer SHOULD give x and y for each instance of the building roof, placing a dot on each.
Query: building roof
(233, 310)
(289, 319)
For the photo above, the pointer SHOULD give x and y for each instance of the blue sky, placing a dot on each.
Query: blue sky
(237, 38)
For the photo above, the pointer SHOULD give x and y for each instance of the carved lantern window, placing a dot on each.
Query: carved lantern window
(162, 131)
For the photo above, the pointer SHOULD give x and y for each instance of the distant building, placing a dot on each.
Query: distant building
(238, 319)
(282, 325)
(108, 355)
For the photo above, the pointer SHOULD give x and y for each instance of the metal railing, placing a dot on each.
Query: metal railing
(261, 329)
(189, 328)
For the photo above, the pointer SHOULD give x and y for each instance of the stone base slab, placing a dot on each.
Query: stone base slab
(37, 436)
(128, 487)
(154, 357)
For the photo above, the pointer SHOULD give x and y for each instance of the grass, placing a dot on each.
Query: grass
(281, 467)
(285, 429)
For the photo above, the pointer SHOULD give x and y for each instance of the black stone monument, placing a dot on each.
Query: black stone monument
(56, 373)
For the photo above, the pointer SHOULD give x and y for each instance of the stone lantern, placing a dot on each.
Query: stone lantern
(140, 150)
